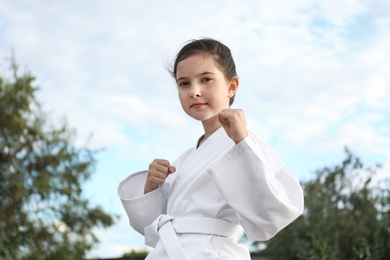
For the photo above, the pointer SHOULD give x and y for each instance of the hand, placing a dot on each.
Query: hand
(159, 170)
(233, 121)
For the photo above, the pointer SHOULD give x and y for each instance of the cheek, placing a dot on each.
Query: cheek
(182, 96)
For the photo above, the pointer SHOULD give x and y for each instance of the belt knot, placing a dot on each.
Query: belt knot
(152, 231)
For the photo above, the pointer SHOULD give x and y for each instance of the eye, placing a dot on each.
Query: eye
(183, 84)
(207, 79)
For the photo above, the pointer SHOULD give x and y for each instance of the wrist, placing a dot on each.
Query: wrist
(238, 140)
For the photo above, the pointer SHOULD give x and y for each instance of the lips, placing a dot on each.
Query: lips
(197, 105)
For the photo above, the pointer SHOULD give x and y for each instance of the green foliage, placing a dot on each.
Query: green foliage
(136, 254)
(42, 212)
(346, 217)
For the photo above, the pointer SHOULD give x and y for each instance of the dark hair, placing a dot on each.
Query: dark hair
(220, 52)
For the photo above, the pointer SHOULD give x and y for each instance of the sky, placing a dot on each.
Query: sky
(314, 78)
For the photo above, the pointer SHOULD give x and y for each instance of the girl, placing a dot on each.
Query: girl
(191, 209)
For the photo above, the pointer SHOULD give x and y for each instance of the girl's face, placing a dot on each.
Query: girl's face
(202, 87)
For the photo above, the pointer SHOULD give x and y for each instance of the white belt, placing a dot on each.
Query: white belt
(166, 228)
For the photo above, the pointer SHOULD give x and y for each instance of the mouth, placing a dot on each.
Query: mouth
(197, 105)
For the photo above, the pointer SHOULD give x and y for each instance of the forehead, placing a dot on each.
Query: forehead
(196, 64)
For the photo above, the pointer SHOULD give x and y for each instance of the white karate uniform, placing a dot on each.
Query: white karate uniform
(243, 184)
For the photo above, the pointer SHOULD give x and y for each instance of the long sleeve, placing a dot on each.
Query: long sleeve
(142, 209)
(265, 196)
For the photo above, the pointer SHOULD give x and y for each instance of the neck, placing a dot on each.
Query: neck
(210, 126)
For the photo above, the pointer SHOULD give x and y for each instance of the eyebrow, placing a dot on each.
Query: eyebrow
(201, 74)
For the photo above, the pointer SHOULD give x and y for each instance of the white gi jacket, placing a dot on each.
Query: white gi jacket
(223, 182)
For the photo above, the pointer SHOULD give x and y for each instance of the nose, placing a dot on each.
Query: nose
(195, 91)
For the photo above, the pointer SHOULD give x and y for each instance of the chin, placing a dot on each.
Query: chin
(197, 118)
(201, 116)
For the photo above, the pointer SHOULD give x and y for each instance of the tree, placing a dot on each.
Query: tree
(136, 254)
(43, 214)
(346, 217)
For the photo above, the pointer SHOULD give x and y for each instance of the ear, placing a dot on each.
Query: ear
(233, 86)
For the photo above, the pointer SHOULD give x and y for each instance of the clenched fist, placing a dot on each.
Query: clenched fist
(233, 121)
(159, 170)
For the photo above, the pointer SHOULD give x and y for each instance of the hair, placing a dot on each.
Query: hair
(207, 46)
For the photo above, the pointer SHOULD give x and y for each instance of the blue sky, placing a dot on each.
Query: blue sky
(314, 78)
